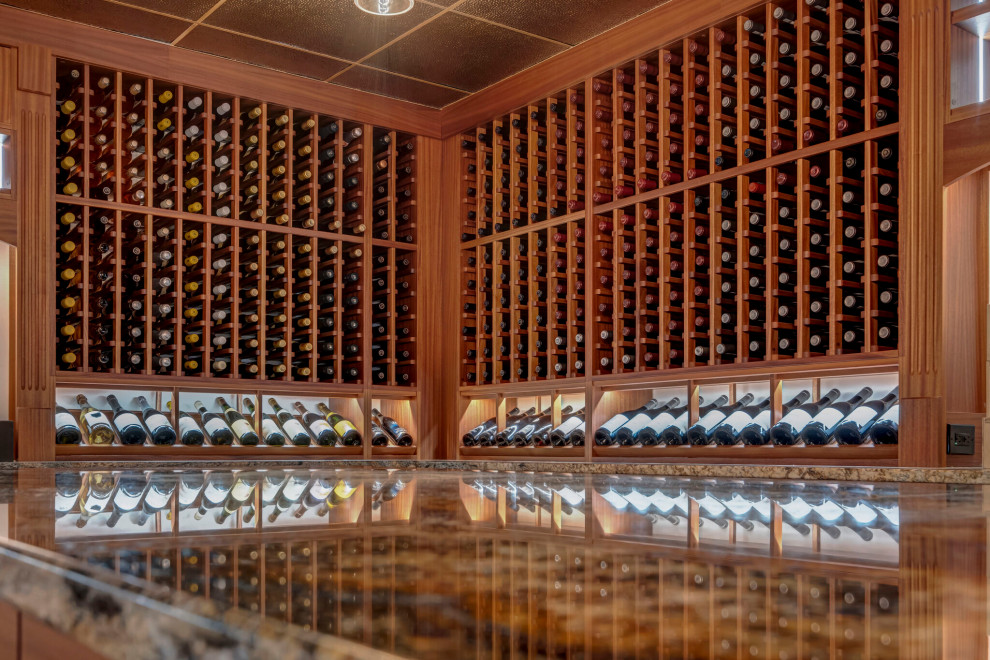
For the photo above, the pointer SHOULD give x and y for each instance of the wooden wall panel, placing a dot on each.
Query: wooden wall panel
(111, 49)
(34, 68)
(967, 207)
(34, 362)
(922, 377)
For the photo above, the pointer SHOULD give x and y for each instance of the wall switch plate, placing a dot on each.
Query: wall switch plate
(961, 439)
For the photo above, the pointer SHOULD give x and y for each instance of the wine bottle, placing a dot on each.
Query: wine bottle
(787, 430)
(755, 433)
(216, 428)
(128, 425)
(345, 430)
(395, 431)
(628, 433)
(293, 428)
(291, 492)
(189, 432)
(319, 426)
(524, 434)
(159, 428)
(564, 435)
(242, 428)
(727, 431)
(852, 429)
(605, 435)
(269, 427)
(884, 430)
(700, 432)
(67, 430)
(819, 429)
(217, 486)
(504, 437)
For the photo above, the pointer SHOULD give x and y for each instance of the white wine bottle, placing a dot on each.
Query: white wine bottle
(189, 432)
(319, 426)
(95, 425)
(787, 430)
(128, 424)
(159, 427)
(242, 428)
(293, 428)
(67, 431)
(269, 427)
(349, 435)
(214, 425)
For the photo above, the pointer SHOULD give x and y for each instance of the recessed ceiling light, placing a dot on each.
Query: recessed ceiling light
(385, 7)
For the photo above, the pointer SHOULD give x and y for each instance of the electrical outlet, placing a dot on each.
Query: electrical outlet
(961, 439)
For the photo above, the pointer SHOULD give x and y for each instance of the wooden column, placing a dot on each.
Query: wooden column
(922, 377)
(439, 295)
(34, 326)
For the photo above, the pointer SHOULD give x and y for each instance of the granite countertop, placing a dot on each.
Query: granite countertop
(311, 560)
(840, 473)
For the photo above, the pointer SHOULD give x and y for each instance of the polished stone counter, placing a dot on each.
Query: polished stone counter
(345, 561)
(737, 471)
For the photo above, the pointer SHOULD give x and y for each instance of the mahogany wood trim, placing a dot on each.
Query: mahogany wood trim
(34, 68)
(148, 58)
(623, 43)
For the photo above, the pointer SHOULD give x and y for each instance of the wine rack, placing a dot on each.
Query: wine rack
(374, 419)
(215, 238)
(741, 211)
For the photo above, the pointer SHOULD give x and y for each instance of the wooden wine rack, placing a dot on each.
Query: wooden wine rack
(208, 240)
(731, 200)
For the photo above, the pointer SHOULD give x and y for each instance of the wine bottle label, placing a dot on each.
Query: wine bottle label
(344, 426)
(612, 425)
(711, 420)
(125, 419)
(157, 421)
(569, 425)
(242, 427)
(737, 421)
(763, 420)
(320, 426)
(214, 426)
(638, 422)
(797, 419)
(661, 422)
(861, 416)
(187, 425)
(829, 417)
(65, 419)
(294, 427)
(269, 428)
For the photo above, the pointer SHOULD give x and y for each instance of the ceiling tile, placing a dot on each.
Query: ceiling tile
(108, 16)
(252, 51)
(332, 27)
(463, 52)
(379, 82)
(569, 21)
(191, 9)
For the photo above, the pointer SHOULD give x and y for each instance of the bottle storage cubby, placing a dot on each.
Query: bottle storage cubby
(207, 236)
(132, 420)
(742, 211)
(550, 423)
(796, 415)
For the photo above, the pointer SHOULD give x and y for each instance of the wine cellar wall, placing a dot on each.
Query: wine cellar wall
(724, 207)
(206, 240)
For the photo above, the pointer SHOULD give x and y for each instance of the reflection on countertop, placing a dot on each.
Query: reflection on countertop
(419, 563)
